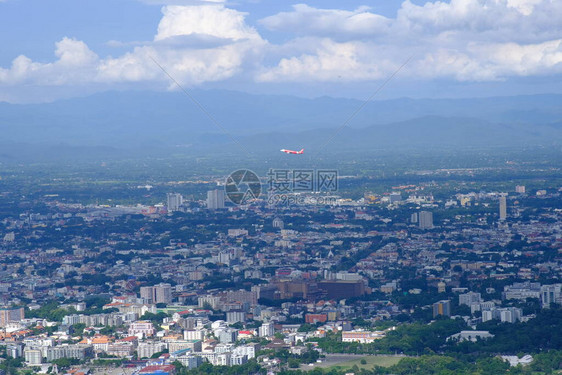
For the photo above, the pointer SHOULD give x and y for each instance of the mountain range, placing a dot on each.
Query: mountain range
(110, 122)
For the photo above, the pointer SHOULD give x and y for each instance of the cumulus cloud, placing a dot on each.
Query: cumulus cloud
(206, 41)
(182, 2)
(76, 63)
(330, 61)
(522, 60)
(209, 20)
(306, 20)
(488, 20)
(196, 44)
(466, 40)
(525, 7)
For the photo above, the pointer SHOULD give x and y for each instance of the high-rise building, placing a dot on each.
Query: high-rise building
(510, 314)
(33, 356)
(175, 200)
(503, 207)
(551, 294)
(160, 293)
(244, 296)
(339, 289)
(426, 220)
(10, 315)
(227, 336)
(267, 329)
(469, 298)
(487, 315)
(215, 199)
(395, 197)
(147, 349)
(503, 314)
(190, 361)
(442, 308)
(520, 189)
(214, 302)
(80, 351)
(414, 218)
(194, 334)
(147, 293)
(235, 316)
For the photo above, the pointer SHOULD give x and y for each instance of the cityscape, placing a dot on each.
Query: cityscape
(268, 285)
(252, 187)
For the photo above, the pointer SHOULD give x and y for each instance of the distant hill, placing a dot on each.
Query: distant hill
(427, 131)
(113, 121)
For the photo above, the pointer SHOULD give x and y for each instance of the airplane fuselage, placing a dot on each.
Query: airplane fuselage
(292, 151)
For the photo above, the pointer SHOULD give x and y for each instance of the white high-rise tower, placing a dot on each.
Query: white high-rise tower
(425, 220)
(215, 199)
(175, 200)
(503, 207)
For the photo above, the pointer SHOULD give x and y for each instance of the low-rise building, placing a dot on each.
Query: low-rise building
(363, 337)
(470, 336)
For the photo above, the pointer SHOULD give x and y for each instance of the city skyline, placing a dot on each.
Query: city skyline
(149, 224)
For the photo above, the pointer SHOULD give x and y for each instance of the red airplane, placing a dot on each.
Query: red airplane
(292, 152)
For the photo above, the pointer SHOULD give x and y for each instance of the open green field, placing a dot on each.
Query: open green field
(346, 362)
(372, 361)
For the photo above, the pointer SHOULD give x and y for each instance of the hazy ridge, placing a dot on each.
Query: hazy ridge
(111, 122)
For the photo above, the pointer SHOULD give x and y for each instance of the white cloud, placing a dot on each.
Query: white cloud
(492, 62)
(523, 60)
(134, 66)
(76, 64)
(487, 20)
(330, 61)
(306, 20)
(195, 44)
(182, 2)
(465, 40)
(74, 53)
(525, 7)
(206, 41)
(209, 20)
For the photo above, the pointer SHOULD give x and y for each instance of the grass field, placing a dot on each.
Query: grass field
(346, 362)
(372, 361)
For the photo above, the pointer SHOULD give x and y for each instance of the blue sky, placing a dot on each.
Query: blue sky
(63, 48)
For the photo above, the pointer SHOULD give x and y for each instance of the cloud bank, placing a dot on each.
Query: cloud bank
(207, 41)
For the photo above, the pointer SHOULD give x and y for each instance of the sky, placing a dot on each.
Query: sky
(56, 49)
